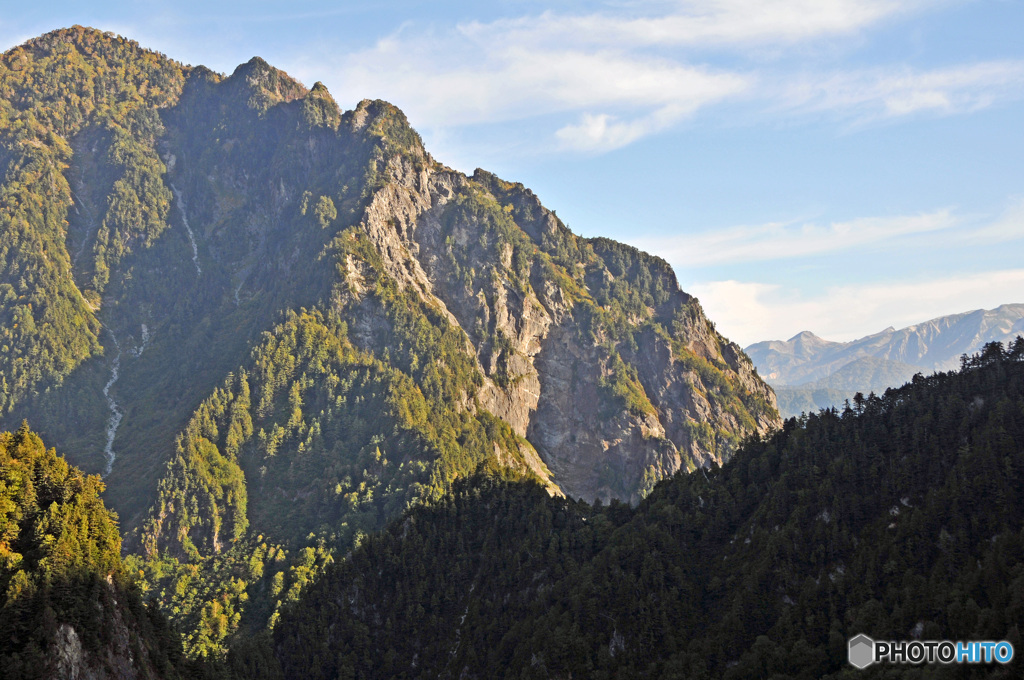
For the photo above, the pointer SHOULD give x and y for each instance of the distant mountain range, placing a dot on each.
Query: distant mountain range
(808, 372)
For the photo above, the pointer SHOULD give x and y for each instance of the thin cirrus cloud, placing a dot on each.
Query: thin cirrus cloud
(733, 23)
(748, 312)
(775, 241)
(1009, 226)
(888, 93)
(617, 77)
(463, 83)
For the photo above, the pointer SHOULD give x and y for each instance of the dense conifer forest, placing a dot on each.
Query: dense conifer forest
(901, 517)
(66, 601)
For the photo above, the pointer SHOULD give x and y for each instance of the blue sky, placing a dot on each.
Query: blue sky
(830, 165)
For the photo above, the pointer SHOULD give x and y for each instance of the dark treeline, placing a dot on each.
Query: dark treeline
(900, 517)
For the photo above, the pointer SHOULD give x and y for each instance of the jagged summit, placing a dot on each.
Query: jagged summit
(268, 316)
(932, 345)
(805, 336)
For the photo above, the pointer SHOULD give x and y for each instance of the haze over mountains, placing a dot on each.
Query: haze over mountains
(808, 372)
(362, 415)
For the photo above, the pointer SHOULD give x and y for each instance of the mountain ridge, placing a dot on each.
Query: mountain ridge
(279, 324)
(809, 372)
(910, 345)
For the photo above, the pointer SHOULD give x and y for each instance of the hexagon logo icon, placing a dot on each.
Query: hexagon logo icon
(862, 651)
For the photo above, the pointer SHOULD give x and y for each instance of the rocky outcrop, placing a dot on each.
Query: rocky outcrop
(117, 660)
(271, 200)
(460, 243)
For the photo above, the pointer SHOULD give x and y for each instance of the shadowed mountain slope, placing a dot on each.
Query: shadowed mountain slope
(273, 324)
(902, 519)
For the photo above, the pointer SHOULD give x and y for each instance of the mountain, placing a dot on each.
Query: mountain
(809, 373)
(273, 325)
(67, 605)
(865, 375)
(865, 521)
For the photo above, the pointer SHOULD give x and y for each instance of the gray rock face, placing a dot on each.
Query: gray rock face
(116, 660)
(545, 374)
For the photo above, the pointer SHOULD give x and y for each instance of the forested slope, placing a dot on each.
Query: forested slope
(900, 518)
(67, 606)
(273, 325)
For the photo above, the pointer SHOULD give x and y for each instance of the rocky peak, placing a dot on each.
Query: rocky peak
(266, 85)
(607, 414)
(319, 108)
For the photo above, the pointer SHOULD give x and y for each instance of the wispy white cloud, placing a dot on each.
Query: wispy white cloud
(447, 81)
(732, 23)
(619, 76)
(748, 312)
(1008, 226)
(604, 132)
(777, 240)
(892, 92)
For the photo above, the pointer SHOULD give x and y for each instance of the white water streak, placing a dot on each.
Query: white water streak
(183, 208)
(116, 414)
(137, 351)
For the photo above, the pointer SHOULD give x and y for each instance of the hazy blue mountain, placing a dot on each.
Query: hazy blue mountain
(808, 372)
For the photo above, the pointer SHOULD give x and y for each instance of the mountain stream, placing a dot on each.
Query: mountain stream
(183, 209)
(116, 414)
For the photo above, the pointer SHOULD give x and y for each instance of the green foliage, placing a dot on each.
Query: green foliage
(61, 573)
(319, 108)
(203, 495)
(53, 524)
(46, 327)
(904, 514)
(138, 202)
(390, 126)
(500, 248)
(230, 596)
(51, 90)
(333, 443)
(623, 386)
(325, 211)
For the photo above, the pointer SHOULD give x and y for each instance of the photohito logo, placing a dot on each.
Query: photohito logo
(863, 651)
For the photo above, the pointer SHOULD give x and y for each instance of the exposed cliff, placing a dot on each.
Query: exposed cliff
(286, 323)
(589, 349)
